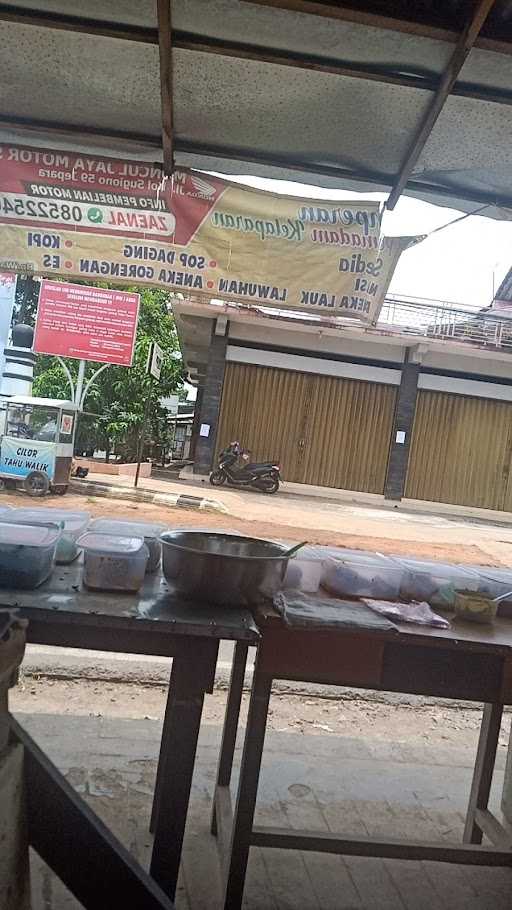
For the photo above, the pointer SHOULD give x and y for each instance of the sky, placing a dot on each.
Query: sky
(460, 264)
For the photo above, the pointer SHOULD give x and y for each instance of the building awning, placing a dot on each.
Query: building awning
(366, 95)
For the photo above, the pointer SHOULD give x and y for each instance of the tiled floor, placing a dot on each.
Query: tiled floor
(362, 786)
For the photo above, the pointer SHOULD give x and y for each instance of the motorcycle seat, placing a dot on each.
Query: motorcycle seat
(257, 467)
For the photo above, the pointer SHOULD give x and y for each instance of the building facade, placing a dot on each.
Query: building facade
(398, 410)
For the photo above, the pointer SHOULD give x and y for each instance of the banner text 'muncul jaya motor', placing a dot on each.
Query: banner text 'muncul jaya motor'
(86, 216)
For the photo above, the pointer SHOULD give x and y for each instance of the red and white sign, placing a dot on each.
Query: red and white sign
(86, 322)
(60, 189)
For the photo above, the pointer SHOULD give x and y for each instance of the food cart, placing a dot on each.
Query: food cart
(36, 444)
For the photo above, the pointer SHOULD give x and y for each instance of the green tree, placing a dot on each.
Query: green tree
(118, 396)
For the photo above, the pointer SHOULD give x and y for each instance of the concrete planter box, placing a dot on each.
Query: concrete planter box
(127, 470)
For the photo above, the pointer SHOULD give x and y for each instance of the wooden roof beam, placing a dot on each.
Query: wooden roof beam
(448, 79)
(165, 51)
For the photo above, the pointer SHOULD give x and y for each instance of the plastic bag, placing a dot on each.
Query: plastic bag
(415, 612)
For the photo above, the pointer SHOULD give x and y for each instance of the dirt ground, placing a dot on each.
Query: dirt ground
(411, 724)
(184, 518)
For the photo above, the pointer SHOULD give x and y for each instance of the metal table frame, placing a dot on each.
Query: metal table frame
(60, 613)
(466, 664)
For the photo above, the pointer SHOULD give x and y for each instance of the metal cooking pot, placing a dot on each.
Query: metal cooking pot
(225, 569)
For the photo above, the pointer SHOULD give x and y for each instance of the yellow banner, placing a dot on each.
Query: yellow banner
(92, 218)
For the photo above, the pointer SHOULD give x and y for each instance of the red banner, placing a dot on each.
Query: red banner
(86, 322)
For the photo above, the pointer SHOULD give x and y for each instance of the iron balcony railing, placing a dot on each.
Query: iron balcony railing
(439, 319)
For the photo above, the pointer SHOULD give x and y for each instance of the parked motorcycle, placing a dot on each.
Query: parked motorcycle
(264, 476)
(78, 471)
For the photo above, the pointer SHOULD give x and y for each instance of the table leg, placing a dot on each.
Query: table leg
(191, 676)
(483, 771)
(229, 731)
(236, 862)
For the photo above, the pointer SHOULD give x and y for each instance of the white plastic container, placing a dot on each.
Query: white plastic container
(435, 582)
(73, 524)
(363, 576)
(113, 563)
(150, 531)
(304, 572)
(27, 554)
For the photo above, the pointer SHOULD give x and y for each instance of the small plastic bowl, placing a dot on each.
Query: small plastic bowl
(475, 607)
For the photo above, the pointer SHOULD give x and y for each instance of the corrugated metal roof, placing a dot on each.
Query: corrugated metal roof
(276, 92)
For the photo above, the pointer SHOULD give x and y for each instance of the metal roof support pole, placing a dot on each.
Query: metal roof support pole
(457, 60)
(165, 48)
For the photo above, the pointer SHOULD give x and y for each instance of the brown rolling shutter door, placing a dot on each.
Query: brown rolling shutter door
(461, 451)
(325, 431)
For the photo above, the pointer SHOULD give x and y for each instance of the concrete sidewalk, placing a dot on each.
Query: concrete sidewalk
(290, 494)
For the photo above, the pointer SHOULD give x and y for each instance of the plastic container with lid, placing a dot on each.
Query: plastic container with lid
(27, 554)
(304, 571)
(494, 582)
(73, 524)
(113, 563)
(149, 530)
(435, 582)
(363, 576)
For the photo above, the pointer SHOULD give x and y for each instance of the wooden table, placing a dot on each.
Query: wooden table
(468, 661)
(153, 622)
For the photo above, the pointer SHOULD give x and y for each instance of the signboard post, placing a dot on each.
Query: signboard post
(154, 368)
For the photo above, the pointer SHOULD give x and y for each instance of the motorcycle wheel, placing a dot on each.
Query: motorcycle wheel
(217, 478)
(268, 485)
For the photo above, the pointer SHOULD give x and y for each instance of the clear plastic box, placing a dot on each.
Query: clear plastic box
(73, 524)
(149, 530)
(494, 582)
(27, 554)
(363, 576)
(435, 582)
(304, 571)
(113, 563)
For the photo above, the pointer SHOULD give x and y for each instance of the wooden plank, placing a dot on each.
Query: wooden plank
(76, 844)
(493, 829)
(175, 768)
(345, 659)
(223, 823)
(445, 672)
(416, 24)
(240, 50)
(422, 134)
(202, 657)
(230, 728)
(393, 848)
(483, 770)
(165, 53)
(247, 789)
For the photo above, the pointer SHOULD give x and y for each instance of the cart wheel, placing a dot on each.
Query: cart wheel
(37, 483)
(60, 490)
